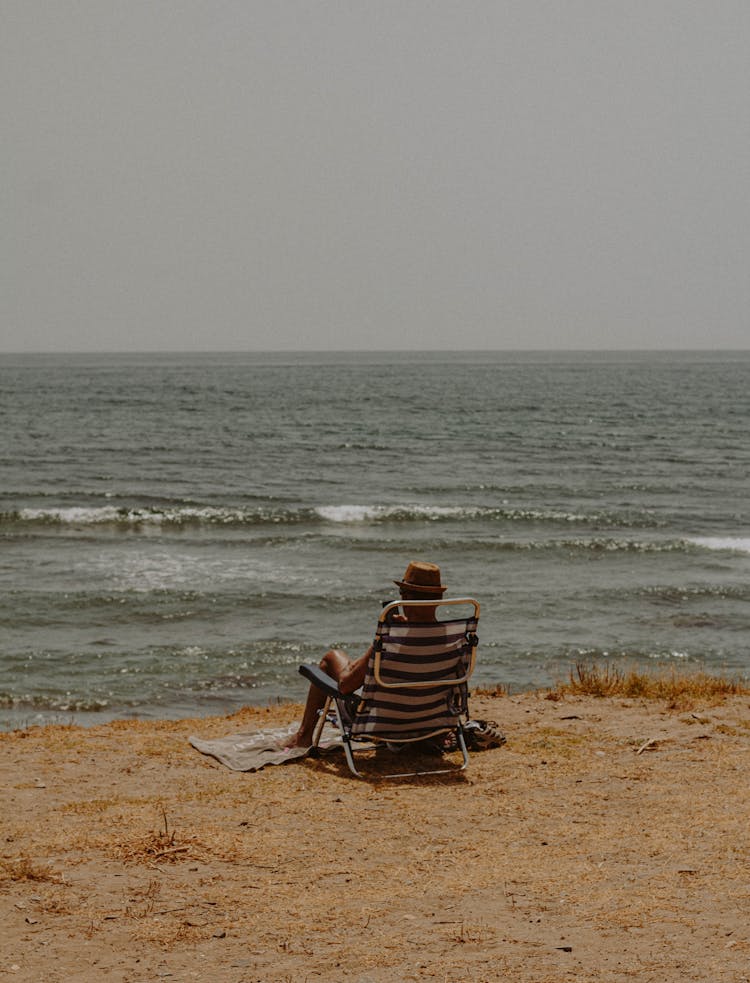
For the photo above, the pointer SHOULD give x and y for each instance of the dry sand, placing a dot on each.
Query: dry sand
(566, 855)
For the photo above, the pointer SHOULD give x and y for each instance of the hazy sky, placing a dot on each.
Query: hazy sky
(230, 174)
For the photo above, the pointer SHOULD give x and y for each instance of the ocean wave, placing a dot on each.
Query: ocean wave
(595, 655)
(678, 595)
(594, 545)
(342, 514)
(734, 544)
(583, 544)
(615, 545)
(61, 703)
(394, 513)
(182, 515)
(352, 514)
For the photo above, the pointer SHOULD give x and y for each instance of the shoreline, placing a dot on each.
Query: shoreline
(605, 841)
(584, 679)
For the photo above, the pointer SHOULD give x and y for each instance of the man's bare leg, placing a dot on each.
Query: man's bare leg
(333, 663)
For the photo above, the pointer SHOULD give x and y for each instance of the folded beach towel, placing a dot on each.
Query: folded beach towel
(251, 752)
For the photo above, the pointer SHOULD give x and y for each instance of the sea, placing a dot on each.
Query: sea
(178, 532)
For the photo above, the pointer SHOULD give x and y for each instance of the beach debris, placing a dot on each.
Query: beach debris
(649, 745)
(172, 849)
(162, 846)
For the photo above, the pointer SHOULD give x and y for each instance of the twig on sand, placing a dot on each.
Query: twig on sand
(649, 745)
(172, 849)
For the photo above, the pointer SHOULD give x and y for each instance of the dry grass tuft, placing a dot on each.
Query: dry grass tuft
(679, 690)
(499, 689)
(153, 847)
(161, 846)
(26, 869)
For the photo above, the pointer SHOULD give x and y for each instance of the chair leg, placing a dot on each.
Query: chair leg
(349, 752)
(345, 738)
(346, 741)
(462, 745)
(321, 722)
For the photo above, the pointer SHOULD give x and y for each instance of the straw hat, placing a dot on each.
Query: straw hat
(422, 578)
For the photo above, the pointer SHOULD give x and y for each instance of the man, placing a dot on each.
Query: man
(421, 583)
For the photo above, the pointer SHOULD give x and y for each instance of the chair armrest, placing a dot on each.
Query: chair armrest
(321, 680)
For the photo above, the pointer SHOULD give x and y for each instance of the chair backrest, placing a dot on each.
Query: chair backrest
(416, 682)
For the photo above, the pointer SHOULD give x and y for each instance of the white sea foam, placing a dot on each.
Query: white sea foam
(348, 513)
(75, 516)
(372, 513)
(99, 515)
(345, 514)
(364, 513)
(740, 544)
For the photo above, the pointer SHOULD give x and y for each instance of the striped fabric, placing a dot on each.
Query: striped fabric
(417, 695)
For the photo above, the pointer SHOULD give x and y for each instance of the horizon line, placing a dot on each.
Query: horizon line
(374, 351)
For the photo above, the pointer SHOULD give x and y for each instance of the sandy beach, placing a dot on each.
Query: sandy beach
(607, 840)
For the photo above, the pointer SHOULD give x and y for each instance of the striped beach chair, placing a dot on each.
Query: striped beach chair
(416, 687)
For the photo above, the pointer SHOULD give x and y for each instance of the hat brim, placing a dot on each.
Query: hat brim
(421, 588)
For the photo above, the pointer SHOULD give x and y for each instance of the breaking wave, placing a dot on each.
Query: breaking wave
(182, 515)
(735, 544)
(197, 515)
